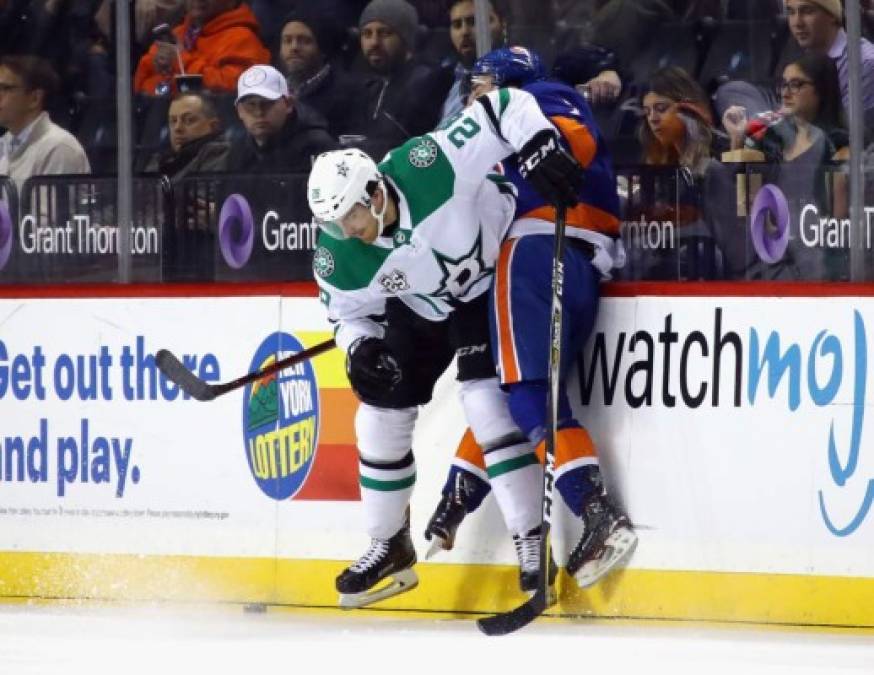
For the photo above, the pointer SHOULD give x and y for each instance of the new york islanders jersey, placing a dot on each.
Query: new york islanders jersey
(452, 219)
(596, 217)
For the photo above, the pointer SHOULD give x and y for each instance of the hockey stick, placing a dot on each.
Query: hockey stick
(521, 616)
(203, 391)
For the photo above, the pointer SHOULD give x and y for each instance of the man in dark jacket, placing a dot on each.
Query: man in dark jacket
(404, 96)
(281, 136)
(196, 142)
(308, 42)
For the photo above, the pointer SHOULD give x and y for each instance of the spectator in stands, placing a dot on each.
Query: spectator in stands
(271, 13)
(281, 136)
(151, 13)
(33, 145)
(217, 40)
(196, 142)
(676, 132)
(462, 33)
(816, 26)
(593, 71)
(809, 126)
(308, 43)
(800, 140)
(403, 94)
(677, 125)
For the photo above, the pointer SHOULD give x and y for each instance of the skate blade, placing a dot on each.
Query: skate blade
(401, 582)
(438, 544)
(618, 548)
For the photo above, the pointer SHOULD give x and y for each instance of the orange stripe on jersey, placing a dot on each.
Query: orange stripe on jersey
(506, 349)
(470, 451)
(583, 216)
(583, 144)
(571, 443)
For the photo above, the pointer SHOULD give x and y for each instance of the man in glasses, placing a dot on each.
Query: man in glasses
(33, 145)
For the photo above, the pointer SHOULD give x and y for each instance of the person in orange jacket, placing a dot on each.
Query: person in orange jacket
(217, 39)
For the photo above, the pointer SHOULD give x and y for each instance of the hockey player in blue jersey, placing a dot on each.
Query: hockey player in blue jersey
(520, 321)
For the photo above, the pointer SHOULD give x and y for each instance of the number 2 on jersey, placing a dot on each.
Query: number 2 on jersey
(467, 129)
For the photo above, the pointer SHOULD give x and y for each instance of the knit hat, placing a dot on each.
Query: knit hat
(327, 32)
(833, 7)
(399, 15)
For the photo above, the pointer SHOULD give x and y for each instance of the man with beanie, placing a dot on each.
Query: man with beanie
(817, 27)
(282, 136)
(403, 95)
(308, 43)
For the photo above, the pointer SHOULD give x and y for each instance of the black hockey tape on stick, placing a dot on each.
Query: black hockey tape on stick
(521, 616)
(203, 391)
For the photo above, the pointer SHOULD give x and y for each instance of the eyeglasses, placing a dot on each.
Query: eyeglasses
(793, 86)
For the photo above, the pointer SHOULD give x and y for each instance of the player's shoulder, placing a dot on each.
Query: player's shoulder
(557, 97)
(346, 264)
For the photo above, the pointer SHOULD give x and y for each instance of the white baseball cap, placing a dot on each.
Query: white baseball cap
(263, 81)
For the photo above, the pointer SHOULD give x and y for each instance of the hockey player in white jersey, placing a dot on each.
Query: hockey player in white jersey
(404, 264)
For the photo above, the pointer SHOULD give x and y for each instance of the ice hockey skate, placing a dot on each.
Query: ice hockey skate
(528, 552)
(446, 518)
(390, 559)
(608, 540)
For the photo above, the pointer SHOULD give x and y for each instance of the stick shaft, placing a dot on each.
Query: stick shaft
(521, 616)
(306, 354)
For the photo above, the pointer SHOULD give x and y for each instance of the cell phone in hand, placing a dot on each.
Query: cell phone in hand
(163, 33)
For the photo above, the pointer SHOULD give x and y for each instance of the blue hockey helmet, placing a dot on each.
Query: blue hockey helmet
(510, 66)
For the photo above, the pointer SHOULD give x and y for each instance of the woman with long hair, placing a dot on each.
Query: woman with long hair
(803, 140)
(677, 125)
(809, 125)
(682, 188)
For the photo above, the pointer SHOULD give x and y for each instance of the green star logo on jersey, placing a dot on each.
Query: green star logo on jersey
(459, 274)
(323, 262)
(423, 154)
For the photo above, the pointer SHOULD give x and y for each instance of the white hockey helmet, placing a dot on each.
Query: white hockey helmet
(338, 181)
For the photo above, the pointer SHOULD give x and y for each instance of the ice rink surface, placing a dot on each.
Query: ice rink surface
(75, 639)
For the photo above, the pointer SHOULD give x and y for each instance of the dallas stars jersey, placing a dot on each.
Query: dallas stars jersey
(452, 218)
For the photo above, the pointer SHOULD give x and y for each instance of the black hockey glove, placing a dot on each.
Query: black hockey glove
(553, 172)
(372, 368)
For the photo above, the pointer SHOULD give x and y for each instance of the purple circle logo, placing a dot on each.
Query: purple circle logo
(5, 235)
(236, 231)
(769, 224)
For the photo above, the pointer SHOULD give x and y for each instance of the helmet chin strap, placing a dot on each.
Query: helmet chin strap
(380, 217)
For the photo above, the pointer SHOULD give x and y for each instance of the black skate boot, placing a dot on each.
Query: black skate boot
(393, 557)
(447, 517)
(608, 540)
(528, 551)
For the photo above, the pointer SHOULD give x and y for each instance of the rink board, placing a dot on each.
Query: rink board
(733, 429)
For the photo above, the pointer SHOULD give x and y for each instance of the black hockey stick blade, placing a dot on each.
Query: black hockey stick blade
(203, 391)
(518, 617)
(188, 382)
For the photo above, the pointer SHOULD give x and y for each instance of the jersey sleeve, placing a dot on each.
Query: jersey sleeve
(352, 315)
(497, 125)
